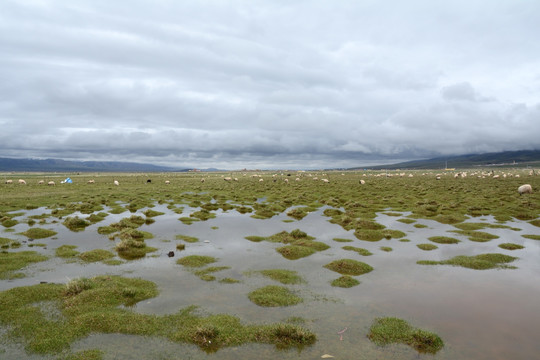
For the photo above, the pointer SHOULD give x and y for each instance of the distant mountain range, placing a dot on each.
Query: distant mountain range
(57, 165)
(501, 159)
(521, 158)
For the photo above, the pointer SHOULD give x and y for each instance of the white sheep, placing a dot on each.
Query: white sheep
(91, 181)
(9, 181)
(41, 182)
(167, 182)
(525, 189)
(116, 182)
(202, 180)
(227, 179)
(325, 181)
(362, 181)
(51, 183)
(22, 182)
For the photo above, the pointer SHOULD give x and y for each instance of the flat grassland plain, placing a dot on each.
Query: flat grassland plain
(264, 265)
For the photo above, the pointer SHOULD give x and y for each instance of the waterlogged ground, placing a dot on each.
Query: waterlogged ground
(479, 314)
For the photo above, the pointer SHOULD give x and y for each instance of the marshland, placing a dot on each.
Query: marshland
(407, 265)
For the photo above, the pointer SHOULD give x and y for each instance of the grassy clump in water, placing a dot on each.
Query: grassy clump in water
(406, 221)
(196, 260)
(189, 239)
(349, 267)
(272, 296)
(532, 237)
(152, 213)
(361, 251)
(478, 262)
(511, 246)
(204, 274)
(76, 223)
(283, 276)
(8, 222)
(106, 230)
(38, 233)
(342, 240)
(386, 248)
(478, 236)
(299, 244)
(427, 247)
(6, 243)
(11, 262)
(66, 251)
(98, 305)
(443, 240)
(96, 255)
(345, 281)
(420, 226)
(389, 330)
(255, 238)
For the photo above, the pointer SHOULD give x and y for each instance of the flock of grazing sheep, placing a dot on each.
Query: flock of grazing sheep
(523, 189)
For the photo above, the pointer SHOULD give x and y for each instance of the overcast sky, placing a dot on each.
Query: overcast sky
(268, 84)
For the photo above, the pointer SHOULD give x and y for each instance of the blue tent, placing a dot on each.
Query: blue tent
(68, 181)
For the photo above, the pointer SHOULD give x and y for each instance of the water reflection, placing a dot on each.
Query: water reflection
(490, 314)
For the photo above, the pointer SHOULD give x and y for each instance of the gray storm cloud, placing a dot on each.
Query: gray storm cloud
(267, 84)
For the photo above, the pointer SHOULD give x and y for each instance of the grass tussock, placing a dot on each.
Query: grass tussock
(10, 262)
(98, 305)
(38, 233)
(345, 281)
(478, 262)
(196, 260)
(443, 240)
(273, 296)
(511, 246)
(361, 251)
(349, 267)
(427, 247)
(288, 277)
(389, 330)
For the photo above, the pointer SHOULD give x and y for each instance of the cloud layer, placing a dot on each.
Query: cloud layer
(268, 84)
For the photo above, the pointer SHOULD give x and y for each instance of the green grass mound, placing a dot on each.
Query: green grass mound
(361, 251)
(206, 274)
(255, 238)
(389, 330)
(478, 236)
(294, 252)
(96, 255)
(386, 248)
(189, 239)
(8, 222)
(427, 247)
(273, 296)
(478, 262)
(406, 221)
(443, 240)
(283, 276)
(11, 262)
(152, 213)
(76, 223)
(342, 240)
(38, 233)
(511, 246)
(345, 281)
(66, 251)
(196, 260)
(6, 243)
(99, 305)
(349, 267)
(532, 237)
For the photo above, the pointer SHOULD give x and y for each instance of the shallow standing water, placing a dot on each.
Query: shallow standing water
(489, 314)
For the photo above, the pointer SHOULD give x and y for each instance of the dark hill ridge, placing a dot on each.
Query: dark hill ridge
(48, 165)
(521, 158)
